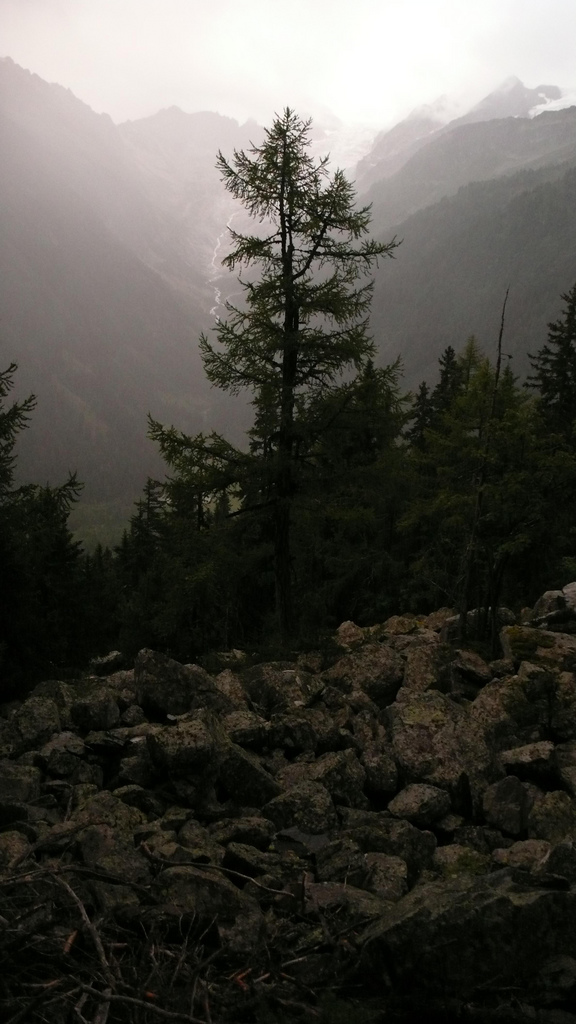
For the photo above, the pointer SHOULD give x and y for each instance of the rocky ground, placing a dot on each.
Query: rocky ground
(387, 837)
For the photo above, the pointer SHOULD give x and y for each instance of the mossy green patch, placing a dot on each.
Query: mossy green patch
(525, 641)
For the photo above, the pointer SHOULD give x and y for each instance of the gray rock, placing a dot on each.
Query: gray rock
(37, 720)
(436, 741)
(96, 710)
(387, 877)
(559, 859)
(375, 669)
(246, 728)
(396, 838)
(187, 746)
(424, 664)
(14, 848)
(460, 860)
(533, 762)
(463, 934)
(420, 804)
(254, 831)
(19, 784)
(307, 805)
(343, 776)
(102, 849)
(206, 894)
(109, 663)
(280, 687)
(244, 778)
(552, 817)
(526, 853)
(346, 903)
(381, 773)
(165, 687)
(507, 805)
(342, 860)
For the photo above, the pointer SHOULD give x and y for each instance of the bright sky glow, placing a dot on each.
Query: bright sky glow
(367, 61)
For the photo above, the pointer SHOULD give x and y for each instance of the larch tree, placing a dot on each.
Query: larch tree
(303, 322)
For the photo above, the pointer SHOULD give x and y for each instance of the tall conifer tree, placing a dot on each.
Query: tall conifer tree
(303, 322)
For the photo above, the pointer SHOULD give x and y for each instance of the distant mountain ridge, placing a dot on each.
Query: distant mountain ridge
(393, 149)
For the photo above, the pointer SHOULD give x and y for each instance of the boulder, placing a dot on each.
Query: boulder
(244, 778)
(349, 636)
(381, 834)
(533, 762)
(307, 805)
(387, 876)
(420, 804)
(103, 850)
(280, 687)
(424, 665)
(189, 745)
(453, 860)
(465, 935)
(97, 709)
(19, 784)
(436, 741)
(539, 646)
(341, 860)
(208, 895)
(37, 720)
(255, 831)
(374, 668)
(165, 687)
(507, 804)
(552, 817)
(527, 854)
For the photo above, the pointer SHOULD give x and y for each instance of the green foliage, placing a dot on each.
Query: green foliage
(488, 461)
(554, 374)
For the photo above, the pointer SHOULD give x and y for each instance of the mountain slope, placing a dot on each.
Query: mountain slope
(394, 148)
(472, 152)
(104, 288)
(459, 256)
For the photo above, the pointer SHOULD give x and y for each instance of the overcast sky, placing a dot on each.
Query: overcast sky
(368, 61)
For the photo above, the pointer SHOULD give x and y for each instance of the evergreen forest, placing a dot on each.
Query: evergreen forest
(350, 498)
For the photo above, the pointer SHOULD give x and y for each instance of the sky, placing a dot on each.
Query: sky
(366, 61)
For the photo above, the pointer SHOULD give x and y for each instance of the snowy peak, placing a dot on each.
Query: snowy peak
(511, 99)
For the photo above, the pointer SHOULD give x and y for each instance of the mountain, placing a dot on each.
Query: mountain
(511, 99)
(459, 256)
(472, 152)
(104, 284)
(113, 235)
(393, 149)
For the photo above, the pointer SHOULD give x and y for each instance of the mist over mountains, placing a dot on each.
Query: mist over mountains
(112, 237)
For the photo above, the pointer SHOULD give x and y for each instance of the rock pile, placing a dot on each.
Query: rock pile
(393, 832)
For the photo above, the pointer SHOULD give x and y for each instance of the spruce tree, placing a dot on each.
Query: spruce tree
(555, 370)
